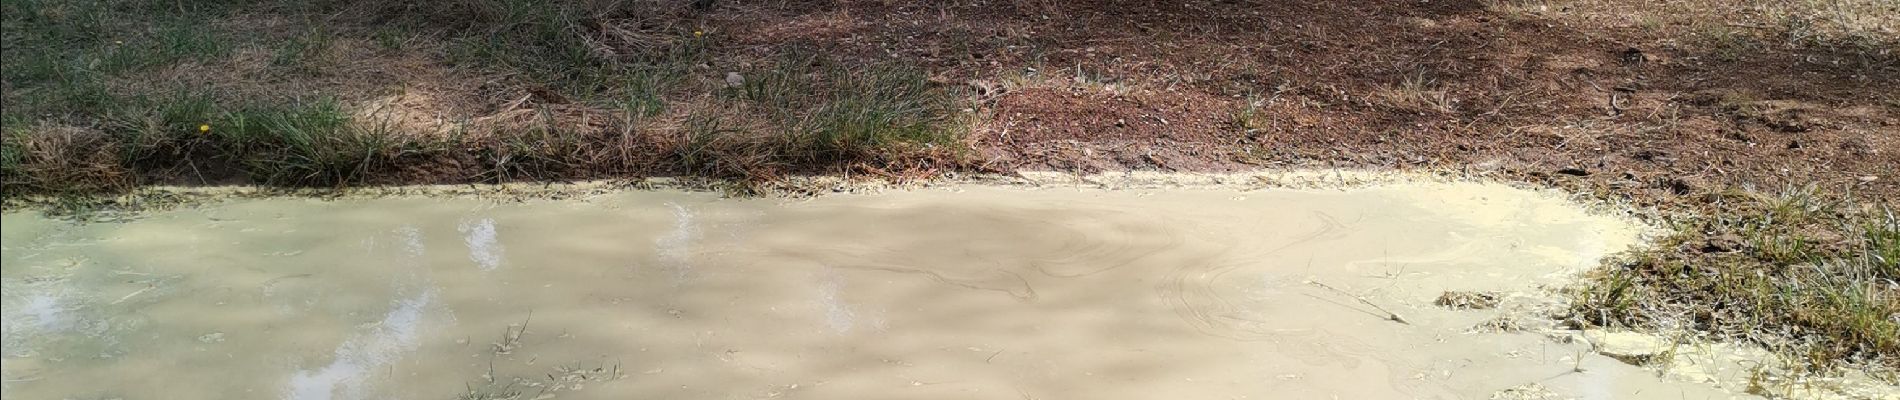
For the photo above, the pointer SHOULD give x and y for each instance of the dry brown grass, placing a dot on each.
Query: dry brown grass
(1791, 19)
(67, 159)
(1417, 93)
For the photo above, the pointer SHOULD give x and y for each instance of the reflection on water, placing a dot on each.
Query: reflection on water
(978, 292)
(483, 248)
(676, 246)
(382, 345)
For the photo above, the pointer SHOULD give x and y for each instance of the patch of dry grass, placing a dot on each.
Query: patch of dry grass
(1794, 22)
(1417, 93)
(62, 159)
(341, 92)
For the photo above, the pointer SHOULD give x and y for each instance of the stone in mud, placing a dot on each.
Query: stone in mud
(1630, 347)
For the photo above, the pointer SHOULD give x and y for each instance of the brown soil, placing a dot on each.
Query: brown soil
(1078, 130)
(1574, 98)
(1454, 84)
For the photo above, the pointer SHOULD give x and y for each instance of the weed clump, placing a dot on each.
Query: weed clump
(306, 144)
(823, 112)
(1798, 272)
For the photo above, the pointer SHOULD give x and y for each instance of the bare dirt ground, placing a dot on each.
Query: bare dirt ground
(1551, 94)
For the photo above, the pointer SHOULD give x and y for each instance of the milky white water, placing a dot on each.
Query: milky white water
(968, 293)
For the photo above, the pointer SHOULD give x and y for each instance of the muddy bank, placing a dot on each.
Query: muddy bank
(158, 198)
(955, 291)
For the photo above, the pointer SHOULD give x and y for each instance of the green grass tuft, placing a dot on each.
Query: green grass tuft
(1804, 273)
(306, 53)
(314, 143)
(872, 111)
(825, 112)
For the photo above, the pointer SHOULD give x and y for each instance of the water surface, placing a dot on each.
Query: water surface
(971, 292)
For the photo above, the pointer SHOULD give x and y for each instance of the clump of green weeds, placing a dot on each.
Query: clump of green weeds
(821, 112)
(314, 143)
(1811, 275)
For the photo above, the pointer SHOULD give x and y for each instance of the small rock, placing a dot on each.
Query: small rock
(1634, 56)
(1724, 243)
(733, 79)
(1630, 347)
(1682, 185)
(985, 88)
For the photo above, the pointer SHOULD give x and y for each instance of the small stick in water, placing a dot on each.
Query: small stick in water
(1389, 315)
(135, 293)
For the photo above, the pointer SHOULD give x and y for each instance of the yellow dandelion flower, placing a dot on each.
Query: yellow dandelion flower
(204, 128)
(698, 33)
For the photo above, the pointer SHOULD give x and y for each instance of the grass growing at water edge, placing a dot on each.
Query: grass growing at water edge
(105, 95)
(1810, 275)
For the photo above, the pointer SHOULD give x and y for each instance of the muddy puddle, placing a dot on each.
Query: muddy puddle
(972, 292)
